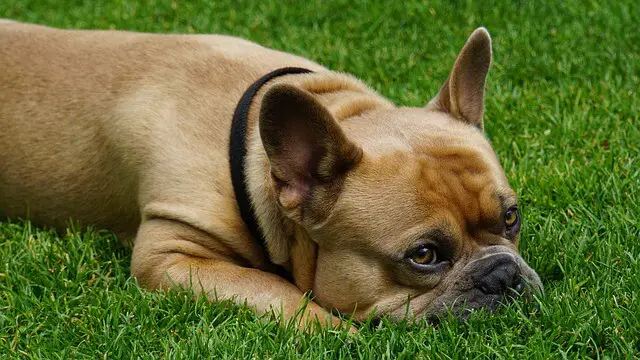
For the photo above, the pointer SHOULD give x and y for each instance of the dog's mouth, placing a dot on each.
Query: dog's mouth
(460, 309)
(460, 304)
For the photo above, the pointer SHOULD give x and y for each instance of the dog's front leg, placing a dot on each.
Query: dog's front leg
(168, 253)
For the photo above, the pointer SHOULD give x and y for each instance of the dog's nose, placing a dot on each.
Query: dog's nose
(502, 276)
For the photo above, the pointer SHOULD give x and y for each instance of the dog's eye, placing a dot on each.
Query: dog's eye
(424, 255)
(511, 217)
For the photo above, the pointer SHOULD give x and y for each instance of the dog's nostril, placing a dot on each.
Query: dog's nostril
(518, 284)
(502, 278)
(484, 289)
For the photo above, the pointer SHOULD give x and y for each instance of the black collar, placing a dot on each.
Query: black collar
(238, 153)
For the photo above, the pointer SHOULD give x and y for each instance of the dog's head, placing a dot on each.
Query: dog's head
(403, 203)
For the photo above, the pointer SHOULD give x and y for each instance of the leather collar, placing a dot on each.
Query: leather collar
(238, 154)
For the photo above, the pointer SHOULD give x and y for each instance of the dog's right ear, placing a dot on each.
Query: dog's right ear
(308, 152)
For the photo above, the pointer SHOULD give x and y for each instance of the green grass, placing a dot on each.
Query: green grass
(562, 112)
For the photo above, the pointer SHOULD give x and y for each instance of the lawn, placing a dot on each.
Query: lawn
(562, 112)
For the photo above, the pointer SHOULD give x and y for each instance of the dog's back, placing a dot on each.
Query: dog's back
(82, 112)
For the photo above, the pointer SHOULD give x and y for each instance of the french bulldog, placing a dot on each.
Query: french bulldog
(257, 176)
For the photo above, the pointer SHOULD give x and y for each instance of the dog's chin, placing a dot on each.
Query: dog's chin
(462, 306)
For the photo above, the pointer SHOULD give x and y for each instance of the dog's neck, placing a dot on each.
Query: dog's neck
(288, 244)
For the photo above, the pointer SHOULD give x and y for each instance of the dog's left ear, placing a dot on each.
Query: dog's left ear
(462, 95)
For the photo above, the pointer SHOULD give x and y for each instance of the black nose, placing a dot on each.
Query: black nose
(501, 276)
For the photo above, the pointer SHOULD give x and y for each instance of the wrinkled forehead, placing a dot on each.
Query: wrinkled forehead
(463, 181)
(420, 175)
(425, 135)
(411, 130)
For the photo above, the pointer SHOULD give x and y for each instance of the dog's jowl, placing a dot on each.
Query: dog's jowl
(259, 176)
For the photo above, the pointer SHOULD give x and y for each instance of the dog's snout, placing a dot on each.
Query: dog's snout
(501, 275)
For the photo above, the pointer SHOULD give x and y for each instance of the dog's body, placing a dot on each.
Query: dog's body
(131, 131)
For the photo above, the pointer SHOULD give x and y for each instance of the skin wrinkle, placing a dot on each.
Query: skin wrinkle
(458, 177)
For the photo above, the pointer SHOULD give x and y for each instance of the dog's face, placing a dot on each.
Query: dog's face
(433, 220)
(409, 207)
